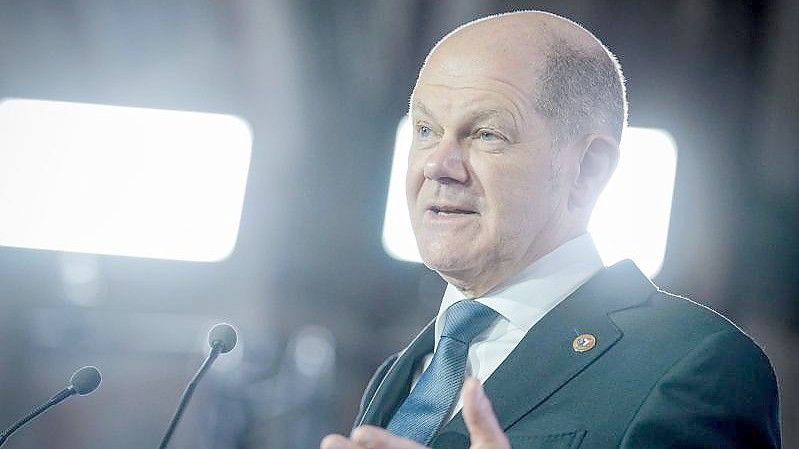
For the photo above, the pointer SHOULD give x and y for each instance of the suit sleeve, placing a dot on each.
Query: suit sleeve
(723, 393)
(371, 387)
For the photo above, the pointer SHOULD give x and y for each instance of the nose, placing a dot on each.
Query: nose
(445, 164)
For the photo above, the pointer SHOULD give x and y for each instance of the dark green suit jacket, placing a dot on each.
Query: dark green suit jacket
(665, 372)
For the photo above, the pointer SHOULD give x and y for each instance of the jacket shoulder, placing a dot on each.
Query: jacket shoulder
(705, 375)
(673, 326)
(676, 316)
(717, 388)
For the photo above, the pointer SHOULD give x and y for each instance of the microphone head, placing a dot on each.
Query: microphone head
(85, 380)
(224, 335)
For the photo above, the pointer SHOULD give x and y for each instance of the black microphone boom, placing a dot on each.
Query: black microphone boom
(82, 382)
(222, 339)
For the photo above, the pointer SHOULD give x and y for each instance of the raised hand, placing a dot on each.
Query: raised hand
(484, 430)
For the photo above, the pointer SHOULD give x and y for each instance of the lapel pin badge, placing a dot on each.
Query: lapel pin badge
(584, 342)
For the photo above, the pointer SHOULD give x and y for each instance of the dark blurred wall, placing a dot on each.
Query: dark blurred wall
(323, 84)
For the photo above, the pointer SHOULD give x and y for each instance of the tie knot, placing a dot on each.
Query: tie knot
(466, 319)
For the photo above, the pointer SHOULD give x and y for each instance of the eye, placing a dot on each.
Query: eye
(423, 131)
(488, 136)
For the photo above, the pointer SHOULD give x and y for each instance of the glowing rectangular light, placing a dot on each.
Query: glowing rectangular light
(631, 218)
(120, 180)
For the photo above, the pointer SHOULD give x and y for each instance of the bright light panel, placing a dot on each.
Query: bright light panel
(631, 218)
(398, 239)
(121, 181)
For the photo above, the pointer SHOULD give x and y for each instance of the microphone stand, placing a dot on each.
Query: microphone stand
(60, 396)
(216, 349)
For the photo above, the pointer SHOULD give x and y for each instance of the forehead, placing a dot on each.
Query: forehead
(456, 99)
(469, 92)
(462, 75)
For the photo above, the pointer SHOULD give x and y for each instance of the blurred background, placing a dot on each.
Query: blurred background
(318, 302)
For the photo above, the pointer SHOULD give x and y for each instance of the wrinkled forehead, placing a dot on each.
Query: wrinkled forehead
(446, 98)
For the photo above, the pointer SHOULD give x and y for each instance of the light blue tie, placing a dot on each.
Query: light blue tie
(429, 404)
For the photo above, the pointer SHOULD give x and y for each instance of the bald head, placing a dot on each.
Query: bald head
(569, 76)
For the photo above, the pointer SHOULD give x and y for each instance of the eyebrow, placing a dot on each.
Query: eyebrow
(483, 115)
(419, 106)
(486, 115)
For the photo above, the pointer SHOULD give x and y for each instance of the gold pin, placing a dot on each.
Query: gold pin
(584, 342)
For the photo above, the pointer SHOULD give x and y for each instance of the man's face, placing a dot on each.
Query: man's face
(481, 185)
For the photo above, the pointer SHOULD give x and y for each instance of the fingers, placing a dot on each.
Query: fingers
(484, 430)
(371, 437)
(368, 437)
(334, 441)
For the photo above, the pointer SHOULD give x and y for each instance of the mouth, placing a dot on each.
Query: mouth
(443, 211)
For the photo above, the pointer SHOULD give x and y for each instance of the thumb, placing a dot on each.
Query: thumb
(484, 430)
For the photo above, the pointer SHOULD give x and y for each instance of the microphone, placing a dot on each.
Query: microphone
(222, 339)
(82, 382)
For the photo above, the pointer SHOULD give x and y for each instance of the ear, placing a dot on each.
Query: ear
(599, 155)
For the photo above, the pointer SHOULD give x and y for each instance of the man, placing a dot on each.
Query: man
(517, 121)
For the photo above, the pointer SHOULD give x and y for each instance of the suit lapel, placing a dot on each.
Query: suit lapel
(545, 360)
(395, 385)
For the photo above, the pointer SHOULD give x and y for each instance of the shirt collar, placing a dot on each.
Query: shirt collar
(529, 295)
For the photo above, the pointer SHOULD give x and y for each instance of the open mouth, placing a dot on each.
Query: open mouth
(446, 210)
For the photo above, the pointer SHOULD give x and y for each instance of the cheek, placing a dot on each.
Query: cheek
(414, 179)
(520, 201)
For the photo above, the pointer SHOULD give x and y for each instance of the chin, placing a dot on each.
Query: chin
(443, 259)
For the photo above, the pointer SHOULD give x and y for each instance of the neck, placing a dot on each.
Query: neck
(476, 283)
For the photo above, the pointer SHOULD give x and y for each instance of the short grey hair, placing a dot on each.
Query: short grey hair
(581, 90)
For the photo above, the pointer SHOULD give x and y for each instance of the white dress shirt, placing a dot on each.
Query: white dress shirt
(521, 302)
